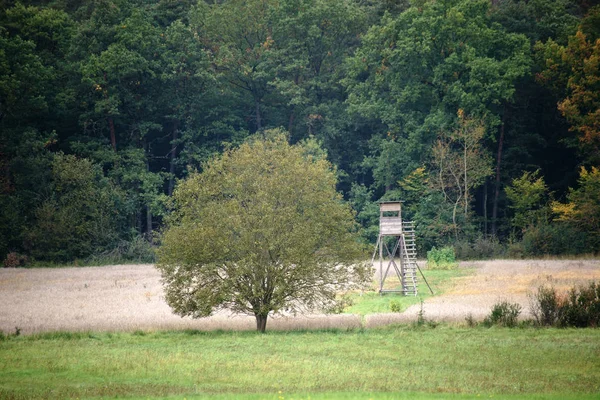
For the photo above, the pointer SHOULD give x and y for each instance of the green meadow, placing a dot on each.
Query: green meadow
(370, 302)
(394, 362)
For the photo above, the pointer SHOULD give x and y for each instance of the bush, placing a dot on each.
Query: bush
(470, 320)
(482, 248)
(503, 314)
(395, 306)
(515, 250)
(443, 258)
(14, 260)
(545, 306)
(581, 308)
(553, 239)
(136, 250)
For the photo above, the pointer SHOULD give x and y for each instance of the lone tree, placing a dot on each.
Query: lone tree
(261, 230)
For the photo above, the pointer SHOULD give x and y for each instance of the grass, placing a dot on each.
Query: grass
(375, 396)
(371, 302)
(393, 362)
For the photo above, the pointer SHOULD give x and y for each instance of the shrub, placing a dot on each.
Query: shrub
(395, 306)
(83, 214)
(443, 258)
(136, 250)
(503, 314)
(582, 211)
(14, 260)
(553, 239)
(482, 248)
(545, 306)
(470, 320)
(581, 308)
(515, 250)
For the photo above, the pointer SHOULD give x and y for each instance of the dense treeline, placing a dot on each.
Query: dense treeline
(482, 115)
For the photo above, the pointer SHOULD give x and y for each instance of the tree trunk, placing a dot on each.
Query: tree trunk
(138, 222)
(111, 123)
(454, 219)
(113, 137)
(291, 124)
(148, 224)
(466, 182)
(261, 322)
(257, 111)
(456, 204)
(485, 212)
(173, 158)
(497, 183)
(148, 210)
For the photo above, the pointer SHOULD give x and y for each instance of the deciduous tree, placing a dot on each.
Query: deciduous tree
(582, 209)
(261, 230)
(574, 71)
(529, 197)
(460, 165)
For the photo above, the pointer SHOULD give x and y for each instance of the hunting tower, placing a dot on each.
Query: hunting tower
(403, 255)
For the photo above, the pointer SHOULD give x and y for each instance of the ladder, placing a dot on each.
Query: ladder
(408, 254)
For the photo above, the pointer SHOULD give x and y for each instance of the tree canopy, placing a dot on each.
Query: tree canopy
(135, 94)
(260, 230)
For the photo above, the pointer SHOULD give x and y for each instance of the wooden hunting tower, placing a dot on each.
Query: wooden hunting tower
(403, 255)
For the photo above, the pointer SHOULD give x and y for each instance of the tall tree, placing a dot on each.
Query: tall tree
(530, 198)
(582, 210)
(460, 165)
(574, 71)
(33, 103)
(534, 131)
(239, 36)
(123, 86)
(414, 71)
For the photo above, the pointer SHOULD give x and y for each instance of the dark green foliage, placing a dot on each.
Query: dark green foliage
(367, 212)
(504, 314)
(480, 249)
(80, 217)
(579, 308)
(545, 306)
(552, 239)
(147, 91)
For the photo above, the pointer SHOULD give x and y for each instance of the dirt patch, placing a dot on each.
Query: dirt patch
(130, 297)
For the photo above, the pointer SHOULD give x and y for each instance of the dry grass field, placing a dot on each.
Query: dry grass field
(112, 298)
(130, 297)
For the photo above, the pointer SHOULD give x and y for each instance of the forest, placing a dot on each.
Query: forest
(482, 116)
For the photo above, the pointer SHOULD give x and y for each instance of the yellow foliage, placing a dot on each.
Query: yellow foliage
(565, 212)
